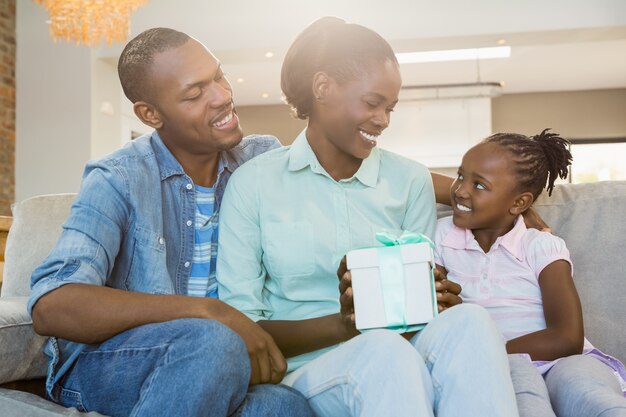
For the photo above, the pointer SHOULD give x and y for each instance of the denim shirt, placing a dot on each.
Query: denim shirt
(128, 228)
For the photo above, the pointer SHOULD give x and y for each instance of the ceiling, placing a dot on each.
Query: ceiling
(559, 45)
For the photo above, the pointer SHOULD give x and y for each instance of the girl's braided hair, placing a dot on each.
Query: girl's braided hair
(538, 159)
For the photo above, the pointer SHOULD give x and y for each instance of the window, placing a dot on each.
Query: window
(598, 160)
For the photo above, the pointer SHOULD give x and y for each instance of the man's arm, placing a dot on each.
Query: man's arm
(93, 314)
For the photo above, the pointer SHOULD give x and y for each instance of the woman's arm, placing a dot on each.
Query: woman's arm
(295, 337)
(563, 335)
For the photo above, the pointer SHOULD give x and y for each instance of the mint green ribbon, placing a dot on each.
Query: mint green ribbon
(392, 271)
(388, 238)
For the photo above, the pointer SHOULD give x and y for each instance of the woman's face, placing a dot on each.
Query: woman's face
(355, 113)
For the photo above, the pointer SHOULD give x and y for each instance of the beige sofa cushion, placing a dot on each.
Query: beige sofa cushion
(36, 227)
(590, 218)
(21, 350)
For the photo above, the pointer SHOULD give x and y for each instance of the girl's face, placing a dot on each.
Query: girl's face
(354, 114)
(484, 193)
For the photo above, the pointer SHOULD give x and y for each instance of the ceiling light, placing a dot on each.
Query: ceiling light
(265, 95)
(269, 54)
(501, 41)
(89, 22)
(454, 55)
(240, 80)
(450, 91)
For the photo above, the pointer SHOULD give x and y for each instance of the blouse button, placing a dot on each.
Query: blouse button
(189, 186)
(187, 264)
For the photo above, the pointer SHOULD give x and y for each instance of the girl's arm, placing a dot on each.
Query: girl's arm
(563, 335)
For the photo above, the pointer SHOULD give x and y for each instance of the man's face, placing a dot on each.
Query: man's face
(193, 101)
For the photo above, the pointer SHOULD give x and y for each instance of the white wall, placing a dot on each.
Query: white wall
(59, 92)
(52, 108)
(437, 132)
(105, 108)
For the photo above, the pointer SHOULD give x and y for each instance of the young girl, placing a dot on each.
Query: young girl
(523, 277)
(289, 216)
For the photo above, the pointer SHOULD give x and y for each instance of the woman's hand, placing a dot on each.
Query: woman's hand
(345, 294)
(447, 291)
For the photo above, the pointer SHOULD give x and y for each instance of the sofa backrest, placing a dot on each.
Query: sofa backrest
(591, 220)
(36, 227)
(590, 217)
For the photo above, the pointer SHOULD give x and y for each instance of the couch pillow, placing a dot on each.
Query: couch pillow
(21, 350)
(590, 218)
(36, 227)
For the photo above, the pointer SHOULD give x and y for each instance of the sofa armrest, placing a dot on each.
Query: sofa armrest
(21, 349)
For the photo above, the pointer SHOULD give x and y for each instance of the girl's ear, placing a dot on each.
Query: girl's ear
(148, 114)
(321, 83)
(522, 203)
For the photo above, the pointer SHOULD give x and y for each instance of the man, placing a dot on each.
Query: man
(117, 291)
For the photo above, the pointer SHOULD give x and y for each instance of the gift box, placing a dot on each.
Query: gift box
(393, 286)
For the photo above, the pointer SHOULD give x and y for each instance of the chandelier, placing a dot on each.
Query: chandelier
(90, 21)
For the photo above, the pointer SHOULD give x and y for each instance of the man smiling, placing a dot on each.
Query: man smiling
(128, 294)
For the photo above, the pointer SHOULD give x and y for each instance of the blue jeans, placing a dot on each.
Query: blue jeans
(187, 367)
(456, 366)
(577, 386)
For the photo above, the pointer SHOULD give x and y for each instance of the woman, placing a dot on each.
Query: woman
(290, 215)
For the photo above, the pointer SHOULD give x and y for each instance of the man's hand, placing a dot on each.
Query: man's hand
(533, 220)
(266, 361)
(447, 291)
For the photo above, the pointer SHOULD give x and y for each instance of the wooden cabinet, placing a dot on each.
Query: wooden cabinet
(5, 225)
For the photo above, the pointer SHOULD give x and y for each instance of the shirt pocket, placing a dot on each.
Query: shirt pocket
(148, 266)
(288, 249)
(471, 282)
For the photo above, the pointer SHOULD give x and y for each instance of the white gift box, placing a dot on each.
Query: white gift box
(405, 288)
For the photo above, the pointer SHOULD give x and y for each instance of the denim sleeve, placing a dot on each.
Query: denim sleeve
(240, 271)
(91, 236)
(421, 213)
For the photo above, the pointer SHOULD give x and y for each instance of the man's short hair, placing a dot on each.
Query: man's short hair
(137, 57)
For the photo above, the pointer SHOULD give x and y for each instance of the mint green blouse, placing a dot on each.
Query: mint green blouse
(285, 224)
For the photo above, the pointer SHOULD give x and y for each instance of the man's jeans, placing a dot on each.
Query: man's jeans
(187, 367)
(456, 366)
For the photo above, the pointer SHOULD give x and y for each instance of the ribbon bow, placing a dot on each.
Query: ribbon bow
(389, 238)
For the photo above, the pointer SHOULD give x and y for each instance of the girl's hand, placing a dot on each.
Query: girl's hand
(447, 291)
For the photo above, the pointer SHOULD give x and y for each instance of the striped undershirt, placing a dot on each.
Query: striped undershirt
(202, 281)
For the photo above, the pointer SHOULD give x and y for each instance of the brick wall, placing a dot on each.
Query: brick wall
(7, 105)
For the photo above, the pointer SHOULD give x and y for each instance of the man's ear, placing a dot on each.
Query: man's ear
(321, 83)
(148, 114)
(522, 203)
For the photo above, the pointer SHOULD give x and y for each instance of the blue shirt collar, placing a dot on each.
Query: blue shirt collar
(169, 165)
(301, 155)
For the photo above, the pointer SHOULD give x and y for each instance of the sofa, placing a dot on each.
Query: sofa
(590, 217)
